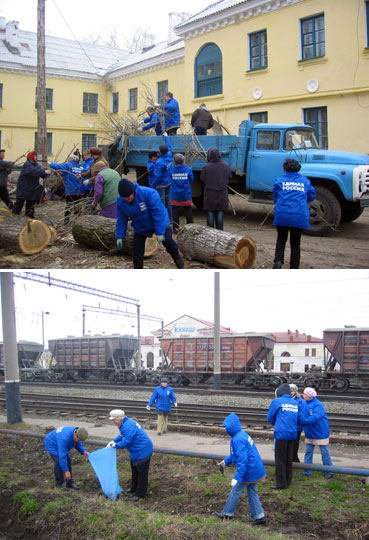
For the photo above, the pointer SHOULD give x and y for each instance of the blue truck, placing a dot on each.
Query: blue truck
(256, 156)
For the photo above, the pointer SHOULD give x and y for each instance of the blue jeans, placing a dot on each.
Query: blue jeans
(165, 199)
(217, 218)
(256, 510)
(326, 457)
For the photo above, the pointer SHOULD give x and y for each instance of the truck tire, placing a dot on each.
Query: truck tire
(325, 213)
(141, 176)
(351, 211)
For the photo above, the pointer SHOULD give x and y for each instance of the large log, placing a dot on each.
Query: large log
(220, 248)
(98, 232)
(28, 236)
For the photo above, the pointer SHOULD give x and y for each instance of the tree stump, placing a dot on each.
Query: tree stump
(98, 232)
(28, 236)
(220, 248)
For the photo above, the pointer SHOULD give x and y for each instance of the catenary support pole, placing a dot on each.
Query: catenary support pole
(217, 369)
(12, 382)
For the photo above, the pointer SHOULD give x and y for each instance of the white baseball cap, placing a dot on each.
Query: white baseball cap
(115, 414)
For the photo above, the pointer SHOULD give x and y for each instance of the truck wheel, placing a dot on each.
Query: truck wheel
(198, 202)
(141, 176)
(351, 211)
(325, 213)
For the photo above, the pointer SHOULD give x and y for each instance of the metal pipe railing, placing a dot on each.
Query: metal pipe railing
(204, 455)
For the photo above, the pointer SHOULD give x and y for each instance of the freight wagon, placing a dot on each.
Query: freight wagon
(110, 358)
(28, 356)
(245, 359)
(346, 359)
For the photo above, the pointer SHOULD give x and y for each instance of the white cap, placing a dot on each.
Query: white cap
(115, 414)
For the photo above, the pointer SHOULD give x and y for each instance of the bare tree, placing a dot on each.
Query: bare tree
(139, 39)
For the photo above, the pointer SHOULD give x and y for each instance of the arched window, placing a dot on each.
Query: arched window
(150, 360)
(285, 353)
(208, 71)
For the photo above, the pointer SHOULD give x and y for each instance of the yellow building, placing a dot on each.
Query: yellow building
(267, 60)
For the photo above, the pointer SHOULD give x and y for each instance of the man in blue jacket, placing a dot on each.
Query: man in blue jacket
(140, 449)
(143, 206)
(172, 115)
(316, 426)
(291, 192)
(249, 471)
(152, 121)
(161, 179)
(73, 185)
(58, 443)
(283, 414)
(181, 176)
(162, 396)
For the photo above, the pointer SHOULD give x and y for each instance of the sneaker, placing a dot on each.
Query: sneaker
(256, 522)
(72, 485)
(220, 515)
(328, 475)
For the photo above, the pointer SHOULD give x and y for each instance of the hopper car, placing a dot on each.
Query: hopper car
(29, 354)
(106, 358)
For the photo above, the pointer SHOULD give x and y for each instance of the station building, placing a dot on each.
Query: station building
(271, 61)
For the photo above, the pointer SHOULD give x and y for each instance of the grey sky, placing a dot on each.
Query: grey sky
(251, 301)
(88, 17)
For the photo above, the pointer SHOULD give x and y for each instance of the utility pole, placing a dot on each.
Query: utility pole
(139, 355)
(41, 146)
(216, 357)
(12, 382)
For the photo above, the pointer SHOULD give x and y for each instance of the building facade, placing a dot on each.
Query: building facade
(297, 352)
(278, 61)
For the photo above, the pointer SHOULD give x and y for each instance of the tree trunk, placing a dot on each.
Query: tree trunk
(28, 236)
(220, 248)
(98, 232)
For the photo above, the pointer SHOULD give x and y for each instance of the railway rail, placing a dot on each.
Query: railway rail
(361, 396)
(186, 413)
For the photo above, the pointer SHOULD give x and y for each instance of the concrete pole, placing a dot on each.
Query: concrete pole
(138, 361)
(12, 382)
(41, 84)
(217, 368)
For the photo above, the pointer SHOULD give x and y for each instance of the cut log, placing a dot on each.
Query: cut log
(220, 248)
(98, 232)
(29, 236)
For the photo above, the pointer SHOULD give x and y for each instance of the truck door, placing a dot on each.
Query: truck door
(265, 160)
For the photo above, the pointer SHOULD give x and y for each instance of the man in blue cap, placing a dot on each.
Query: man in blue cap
(148, 214)
(162, 396)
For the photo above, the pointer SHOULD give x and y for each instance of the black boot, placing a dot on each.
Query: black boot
(138, 264)
(178, 261)
(277, 265)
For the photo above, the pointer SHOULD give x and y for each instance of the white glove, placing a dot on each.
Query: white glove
(221, 463)
(148, 408)
(176, 404)
(47, 171)
(160, 238)
(157, 105)
(234, 482)
(139, 129)
(86, 182)
(111, 444)
(40, 181)
(141, 122)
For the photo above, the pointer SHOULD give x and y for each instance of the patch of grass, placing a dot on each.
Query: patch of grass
(180, 497)
(29, 504)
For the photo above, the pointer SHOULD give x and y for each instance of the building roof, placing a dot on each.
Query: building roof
(294, 337)
(206, 323)
(147, 340)
(63, 57)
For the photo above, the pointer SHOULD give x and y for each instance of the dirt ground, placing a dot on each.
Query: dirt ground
(187, 488)
(346, 248)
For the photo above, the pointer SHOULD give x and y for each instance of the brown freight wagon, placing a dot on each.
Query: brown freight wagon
(95, 357)
(245, 359)
(29, 353)
(346, 356)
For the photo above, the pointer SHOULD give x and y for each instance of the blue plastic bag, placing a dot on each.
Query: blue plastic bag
(104, 463)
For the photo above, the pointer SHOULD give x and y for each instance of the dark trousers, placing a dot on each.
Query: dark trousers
(295, 240)
(283, 455)
(215, 218)
(71, 208)
(4, 196)
(296, 448)
(199, 130)
(140, 478)
(30, 207)
(139, 241)
(58, 472)
(176, 212)
(171, 131)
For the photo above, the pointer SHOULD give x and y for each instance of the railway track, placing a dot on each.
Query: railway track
(360, 396)
(186, 413)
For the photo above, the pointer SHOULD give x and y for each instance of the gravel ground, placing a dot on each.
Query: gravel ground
(144, 395)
